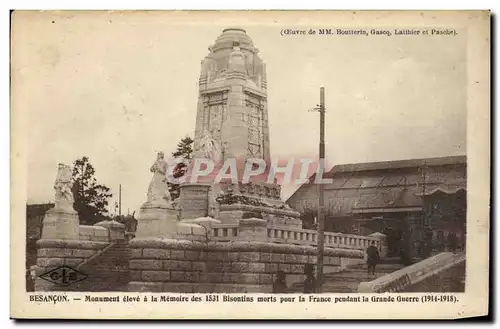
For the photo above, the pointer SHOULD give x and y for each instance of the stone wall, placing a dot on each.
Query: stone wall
(52, 254)
(187, 266)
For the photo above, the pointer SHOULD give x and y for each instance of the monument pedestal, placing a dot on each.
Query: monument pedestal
(116, 230)
(61, 224)
(259, 200)
(156, 221)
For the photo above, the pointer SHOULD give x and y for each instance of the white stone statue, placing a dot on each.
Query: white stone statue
(209, 148)
(63, 184)
(158, 188)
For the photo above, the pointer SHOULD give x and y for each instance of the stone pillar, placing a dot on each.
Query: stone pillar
(116, 229)
(155, 221)
(252, 229)
(129, 236)
(61, 224)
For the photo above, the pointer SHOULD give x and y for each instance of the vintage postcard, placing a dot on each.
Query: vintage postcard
(250, 165)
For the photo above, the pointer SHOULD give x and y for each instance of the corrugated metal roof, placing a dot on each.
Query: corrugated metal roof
(400, 164)
(358, 175)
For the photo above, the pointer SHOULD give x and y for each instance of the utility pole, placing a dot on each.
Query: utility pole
(321, 210)
(424, 225)
(120, 201)
(424, 206)
(321, 201)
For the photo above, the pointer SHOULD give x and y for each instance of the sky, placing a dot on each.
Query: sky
(118, 88)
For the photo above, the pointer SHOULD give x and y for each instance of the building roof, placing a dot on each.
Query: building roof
(400, 164)
(354, 182)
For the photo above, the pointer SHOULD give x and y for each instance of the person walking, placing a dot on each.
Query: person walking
(452, 241)
(310, 281)
(373, 258)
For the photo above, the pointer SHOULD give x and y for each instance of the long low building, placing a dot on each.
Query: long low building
(408, 200)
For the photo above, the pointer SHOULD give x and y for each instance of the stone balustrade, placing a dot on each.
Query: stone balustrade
(224, 232)
(298, 236)
(310, 237)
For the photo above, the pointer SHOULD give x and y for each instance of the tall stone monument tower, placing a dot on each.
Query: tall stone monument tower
(232, 100)
(232, 123)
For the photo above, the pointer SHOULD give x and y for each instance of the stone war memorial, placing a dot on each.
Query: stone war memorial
(228, 232)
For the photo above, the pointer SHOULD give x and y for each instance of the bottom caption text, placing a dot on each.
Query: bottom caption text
(243, 298)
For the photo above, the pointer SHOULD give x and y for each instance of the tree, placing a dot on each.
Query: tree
(91, 199)
(184, 153)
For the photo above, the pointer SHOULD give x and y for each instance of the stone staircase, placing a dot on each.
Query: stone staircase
(347, 281)
(109, 271)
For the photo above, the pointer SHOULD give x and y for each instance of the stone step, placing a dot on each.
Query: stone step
(379, 266)
(110, 264)
(107, 258)
(353, 272)
(338, 287)
(348, 280)
(107, 267)
(357, 278)
(116, 252)
(108, 279)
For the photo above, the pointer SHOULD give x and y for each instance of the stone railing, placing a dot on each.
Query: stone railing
(298, 236)
(444, 271)
(310, 237)
(224, 232)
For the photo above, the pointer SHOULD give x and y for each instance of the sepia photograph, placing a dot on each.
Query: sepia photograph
(204, 153)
